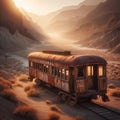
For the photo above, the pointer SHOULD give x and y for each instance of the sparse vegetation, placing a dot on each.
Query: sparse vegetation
(114, 92)
(55, 108)
(48, 102)
(4, 84)
(9, 95)
(53, 116)
(33, 93)
(27, 88)
(26, 112)
(17, 85)
(23, 78)
(5, 90)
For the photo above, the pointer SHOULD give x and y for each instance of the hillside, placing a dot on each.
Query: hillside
(66, 18)
(16, 31)
(92, 2)
(100, 28)
(62, 23)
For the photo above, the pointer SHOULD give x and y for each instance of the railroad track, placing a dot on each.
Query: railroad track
(102, 111)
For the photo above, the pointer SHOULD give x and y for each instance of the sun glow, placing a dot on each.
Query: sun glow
(23, 4)
(43, 7)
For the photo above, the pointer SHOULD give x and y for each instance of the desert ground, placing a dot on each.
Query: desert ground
(14, 68)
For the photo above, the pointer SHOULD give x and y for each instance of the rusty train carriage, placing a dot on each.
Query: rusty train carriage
(75, 76)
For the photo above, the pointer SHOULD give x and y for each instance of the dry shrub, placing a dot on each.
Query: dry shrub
(55, 108)
(53, 116)
(9, 95)
(114, 92)
(48, 102)
(33, 93)
(78, 118)
(26, 112)
(12, 81)
(4, 84)
(27, 88)
(23, 78)
(17, 85)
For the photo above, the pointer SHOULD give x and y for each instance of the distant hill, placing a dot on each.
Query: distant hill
(64, 19)
(92, 2)
(16, 30)
(67, 19)
(100, 28)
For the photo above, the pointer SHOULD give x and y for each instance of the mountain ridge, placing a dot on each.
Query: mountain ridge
(13, 20)
(102, 27)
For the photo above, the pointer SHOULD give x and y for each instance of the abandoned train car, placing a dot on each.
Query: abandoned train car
(76, 77)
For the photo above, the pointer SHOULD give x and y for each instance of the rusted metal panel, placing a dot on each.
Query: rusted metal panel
(80, 86)
(51, 80)
(32, 72)
(89, 83)
(102, 83)
(42, 76)
(58, 83)
(65, 86)
(39, 75)
(45, 77)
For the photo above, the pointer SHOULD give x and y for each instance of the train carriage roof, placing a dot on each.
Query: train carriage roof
(71, 60)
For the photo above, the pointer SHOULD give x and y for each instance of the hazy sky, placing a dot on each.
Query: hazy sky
(44, 6)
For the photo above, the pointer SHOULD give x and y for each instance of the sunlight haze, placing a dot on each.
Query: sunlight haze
(42, 7)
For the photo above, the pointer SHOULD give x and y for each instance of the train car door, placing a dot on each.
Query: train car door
(92, 77)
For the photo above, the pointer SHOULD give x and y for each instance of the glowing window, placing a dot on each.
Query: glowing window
(31, 64)
(101, 70)
(66, 74)
(63, 73)
(90, 70)
(59, 72)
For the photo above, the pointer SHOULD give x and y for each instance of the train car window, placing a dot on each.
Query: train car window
(66, 74)
(90, 70)
(53, 70)
(37, 66)
(31, 64)
(59, 72)
(41, 67)
(34, 65)
(80, 72)
(63, 73)
(46, 68)
(101, 70)
(56, 71)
